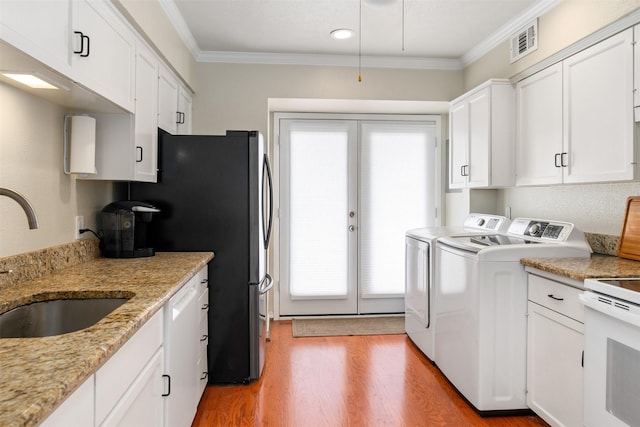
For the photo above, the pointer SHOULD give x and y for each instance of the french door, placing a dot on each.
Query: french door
(349, 189)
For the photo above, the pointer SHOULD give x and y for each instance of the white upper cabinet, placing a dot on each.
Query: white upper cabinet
(40, 29)
(482, 137)
(575, 119)
(146, 115)
(174, 105)
(598, 112)
(539, 128)
(104, 52)
(184, 111)
(167, 101)
(85, 40)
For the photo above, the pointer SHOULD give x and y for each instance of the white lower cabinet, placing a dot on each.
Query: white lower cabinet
(141, 405)
(555, 352)
(156, 378)
(76, 410)
(121, 382)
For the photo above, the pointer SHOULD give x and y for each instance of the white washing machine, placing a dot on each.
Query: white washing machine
(419, 274)
(481, 307)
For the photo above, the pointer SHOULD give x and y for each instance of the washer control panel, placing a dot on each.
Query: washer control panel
(541, 229)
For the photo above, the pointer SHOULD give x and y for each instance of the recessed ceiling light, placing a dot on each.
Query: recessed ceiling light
(342, 33)
(31, 80)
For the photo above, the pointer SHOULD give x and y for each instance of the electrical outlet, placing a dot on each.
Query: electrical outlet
(79, 226)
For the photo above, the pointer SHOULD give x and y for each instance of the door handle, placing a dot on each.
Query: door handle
(555, 297)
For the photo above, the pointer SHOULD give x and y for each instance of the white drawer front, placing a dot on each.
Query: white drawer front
(556, 296)
(117, 374)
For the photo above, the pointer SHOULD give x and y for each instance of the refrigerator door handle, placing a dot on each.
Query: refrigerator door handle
(265, 284)
(267, 229)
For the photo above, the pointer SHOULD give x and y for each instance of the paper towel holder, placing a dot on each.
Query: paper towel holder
(79, 156)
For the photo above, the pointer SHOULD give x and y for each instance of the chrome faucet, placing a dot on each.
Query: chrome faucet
(24, 204)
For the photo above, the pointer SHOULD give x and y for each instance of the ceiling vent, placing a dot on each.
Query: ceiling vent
(524, 41)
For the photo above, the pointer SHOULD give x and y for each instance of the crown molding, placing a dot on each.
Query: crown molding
(506, 31)
(176, 18)
(484, 47)
(329, 60)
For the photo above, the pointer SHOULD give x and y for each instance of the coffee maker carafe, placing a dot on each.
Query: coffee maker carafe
(124, 229)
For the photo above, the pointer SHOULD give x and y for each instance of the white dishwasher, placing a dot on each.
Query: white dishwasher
(181, 355)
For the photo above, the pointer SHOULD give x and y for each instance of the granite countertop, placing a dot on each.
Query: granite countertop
(585, 268)
(37, 374)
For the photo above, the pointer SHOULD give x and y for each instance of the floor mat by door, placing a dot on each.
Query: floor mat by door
(348, 326)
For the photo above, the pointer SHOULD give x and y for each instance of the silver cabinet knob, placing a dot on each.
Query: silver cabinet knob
(352, 228)
(352, 214)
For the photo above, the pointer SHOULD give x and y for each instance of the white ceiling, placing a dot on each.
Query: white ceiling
(437, 33)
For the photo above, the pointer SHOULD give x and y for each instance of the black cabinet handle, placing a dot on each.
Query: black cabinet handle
(205, 307)
(169, 384)
(139, 150)
(562, 160)
(180, 117)
(555, 297)
(83, 37)
(204, 375)
(204, 337)
(555, 160)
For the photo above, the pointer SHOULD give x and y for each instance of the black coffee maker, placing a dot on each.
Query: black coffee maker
(124, 229)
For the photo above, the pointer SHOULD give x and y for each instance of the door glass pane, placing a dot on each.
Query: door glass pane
(397, 163)
(319, 198)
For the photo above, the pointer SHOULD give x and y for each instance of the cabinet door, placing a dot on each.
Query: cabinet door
(76, 410)
(141, 405)
(184, 111)
(107, 62)
(539, 128)
(146, 117)
(479, 106)
(167, 100)
(598, 113)
(554, 366)
(40, 29)
(458, 144)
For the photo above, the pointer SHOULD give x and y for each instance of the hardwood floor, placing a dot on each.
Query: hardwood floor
(381, 380)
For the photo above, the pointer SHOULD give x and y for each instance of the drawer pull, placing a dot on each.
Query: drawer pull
(205, 307)
(204, 338)
(204, 376)
(555, 297)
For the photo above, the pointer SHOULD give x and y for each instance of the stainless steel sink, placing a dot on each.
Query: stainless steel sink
(55, 316)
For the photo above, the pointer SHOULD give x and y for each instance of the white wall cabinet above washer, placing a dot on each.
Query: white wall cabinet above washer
(482, 137)
(575, 118)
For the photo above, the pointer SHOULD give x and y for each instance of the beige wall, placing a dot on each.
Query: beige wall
(570, 21)
(150, 20)
(31, 134)
(235, 96)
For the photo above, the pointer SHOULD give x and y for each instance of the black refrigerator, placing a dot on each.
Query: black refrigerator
(215, 194)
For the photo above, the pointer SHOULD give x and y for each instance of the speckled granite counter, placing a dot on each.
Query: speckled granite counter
(36, 374)
(583, 268)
